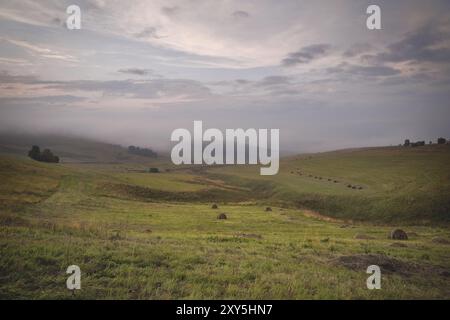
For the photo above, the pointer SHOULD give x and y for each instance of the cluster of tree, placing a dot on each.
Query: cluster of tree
(142, 151)
(422, 143)
(44, 156)
(153, 170)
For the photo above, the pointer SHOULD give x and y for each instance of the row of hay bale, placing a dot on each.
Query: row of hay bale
(355, 187)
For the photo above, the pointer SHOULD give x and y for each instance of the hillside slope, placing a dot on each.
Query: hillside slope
(141, 235)
(69, 149)
(372, 184)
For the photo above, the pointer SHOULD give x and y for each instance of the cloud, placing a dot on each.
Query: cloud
(226, 62)
(136, 71)
(306, 54)
(364, 71)
(241, 14)
(273, 81)
(6, 77)
(147, 89)
(357, 49)
(170, 11)
(41, 51)
(430, 43)
(149, 33)
(48, 100)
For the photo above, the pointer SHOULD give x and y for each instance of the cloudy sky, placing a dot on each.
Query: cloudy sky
(139, 69)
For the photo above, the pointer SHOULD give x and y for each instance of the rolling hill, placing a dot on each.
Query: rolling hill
(68, 148)
(386, 184)
(143, 235)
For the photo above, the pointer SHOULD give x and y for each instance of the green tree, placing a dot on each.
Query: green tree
(35, 153)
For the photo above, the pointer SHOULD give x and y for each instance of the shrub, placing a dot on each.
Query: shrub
(44, 156)
(48, 156)
(142, 151)
(35, 153)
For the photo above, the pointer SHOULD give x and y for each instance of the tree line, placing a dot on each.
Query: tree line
(44, 156)
(142, 151)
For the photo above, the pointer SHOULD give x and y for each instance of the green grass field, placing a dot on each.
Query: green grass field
(155, 236)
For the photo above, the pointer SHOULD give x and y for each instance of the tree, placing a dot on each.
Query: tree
(142, 151)
(407, 143)
(35, 153)
(441, 141)
(44, 156)
(48, 156)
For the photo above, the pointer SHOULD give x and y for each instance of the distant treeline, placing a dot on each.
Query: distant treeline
(408, 143)
(44, 156)
(142, 151)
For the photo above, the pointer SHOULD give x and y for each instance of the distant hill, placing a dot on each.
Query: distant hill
(384, 184)
(69, 149)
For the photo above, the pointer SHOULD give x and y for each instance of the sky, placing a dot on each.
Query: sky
(137, 70)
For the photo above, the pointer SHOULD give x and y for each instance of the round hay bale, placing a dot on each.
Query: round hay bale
(222, 216)
(268, 209)
(398, 234)
(214, 206)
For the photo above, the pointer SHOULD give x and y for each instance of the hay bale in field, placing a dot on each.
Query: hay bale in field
(398, 234)
(222, 216)
(214, 206)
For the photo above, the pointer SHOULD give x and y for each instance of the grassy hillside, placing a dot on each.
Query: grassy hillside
(155, 236)
(69, 149)
(392, 184)
(144, 235)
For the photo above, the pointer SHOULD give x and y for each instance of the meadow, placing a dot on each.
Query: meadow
(141, 235)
